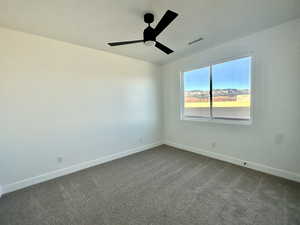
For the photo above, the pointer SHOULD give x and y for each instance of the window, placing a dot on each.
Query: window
(219, 91)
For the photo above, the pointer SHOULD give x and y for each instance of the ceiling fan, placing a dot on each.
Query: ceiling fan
(150, 33)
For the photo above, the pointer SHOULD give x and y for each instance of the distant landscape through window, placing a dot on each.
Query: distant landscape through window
(219, 91)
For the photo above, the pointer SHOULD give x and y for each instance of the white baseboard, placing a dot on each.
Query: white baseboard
(252, 165)
(64, 171)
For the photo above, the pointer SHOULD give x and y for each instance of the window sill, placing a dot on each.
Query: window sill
(216, 120)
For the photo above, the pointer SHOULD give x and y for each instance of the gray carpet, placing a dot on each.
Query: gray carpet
(160, 186)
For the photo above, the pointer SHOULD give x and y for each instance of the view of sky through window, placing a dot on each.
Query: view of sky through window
(229, 70)
(231, 95)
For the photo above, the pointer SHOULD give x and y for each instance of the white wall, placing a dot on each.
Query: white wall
(274, 138)
(62, 100)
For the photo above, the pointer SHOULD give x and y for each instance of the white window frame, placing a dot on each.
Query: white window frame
(212, 119)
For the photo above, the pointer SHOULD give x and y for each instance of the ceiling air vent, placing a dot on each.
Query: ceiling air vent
(195, 41)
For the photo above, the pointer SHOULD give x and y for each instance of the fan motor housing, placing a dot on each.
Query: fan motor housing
(149, 34)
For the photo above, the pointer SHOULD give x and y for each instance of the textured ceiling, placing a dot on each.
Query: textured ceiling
(94, 23)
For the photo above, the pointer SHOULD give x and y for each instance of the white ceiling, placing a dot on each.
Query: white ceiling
(94, 23)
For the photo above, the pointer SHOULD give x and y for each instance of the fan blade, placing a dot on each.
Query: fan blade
(163, 48)
(165, 21)
(124, 42)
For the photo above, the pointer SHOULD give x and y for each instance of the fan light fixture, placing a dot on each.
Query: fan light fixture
(149, 43)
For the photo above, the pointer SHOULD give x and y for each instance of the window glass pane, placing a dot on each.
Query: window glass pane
(231, 89)
(196, 93)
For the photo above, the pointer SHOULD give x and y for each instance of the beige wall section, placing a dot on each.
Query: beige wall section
(63, 100)
(274, 137)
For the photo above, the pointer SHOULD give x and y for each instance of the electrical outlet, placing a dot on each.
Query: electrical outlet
(59, 159)
(279, 138)
(141, 140)
(213, 144)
